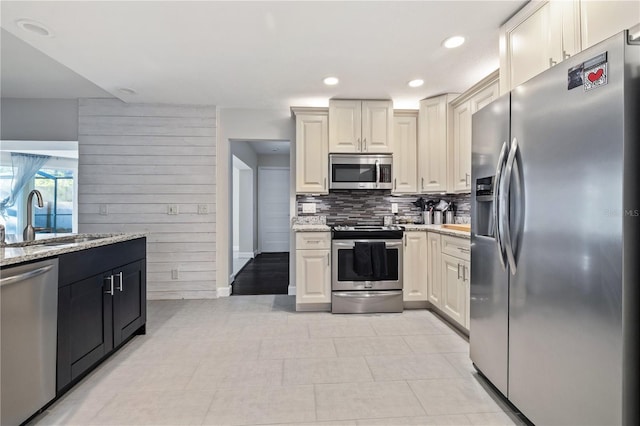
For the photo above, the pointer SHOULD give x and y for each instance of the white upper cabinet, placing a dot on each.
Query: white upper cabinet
(312, 152)
(377, 126)
(360, 126)
(432, 143)
(545, 33)
(462, 110)
(538, 37)
(602, 19)
(345, 128)
(404, 153)
(461, 148)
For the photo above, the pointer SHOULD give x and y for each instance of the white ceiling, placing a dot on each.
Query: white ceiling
(265, 54)
(270, 147)
(25, 72)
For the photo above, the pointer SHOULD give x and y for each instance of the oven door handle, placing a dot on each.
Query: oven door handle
(361, 294)
(389, 244)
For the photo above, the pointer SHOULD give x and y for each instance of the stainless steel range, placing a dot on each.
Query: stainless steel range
(367, 269)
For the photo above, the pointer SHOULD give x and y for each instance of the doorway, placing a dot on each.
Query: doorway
(267, 270)
(273, 208)
(242, 218)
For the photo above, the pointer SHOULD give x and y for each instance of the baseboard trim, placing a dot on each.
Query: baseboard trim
(416, 304)
(292, 290)
(313, 307)
(246, 254)
(224, 291)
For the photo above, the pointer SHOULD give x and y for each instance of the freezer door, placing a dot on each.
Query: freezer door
(565, 320)
(488, 332)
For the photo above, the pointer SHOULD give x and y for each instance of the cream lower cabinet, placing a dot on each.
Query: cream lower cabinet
(434, 277)
(448, 276)
(454, 302)
(312, 151)
(405, 129)
(313, 271)
(414, 266)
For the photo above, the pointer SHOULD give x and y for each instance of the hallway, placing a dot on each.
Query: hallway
(267, 273)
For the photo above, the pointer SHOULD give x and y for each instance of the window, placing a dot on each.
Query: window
(56, 180)
(56, 186)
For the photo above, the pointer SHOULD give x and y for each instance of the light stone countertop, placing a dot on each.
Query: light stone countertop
(407, 227)
(310, 228)
(35, 250)
(437, 228)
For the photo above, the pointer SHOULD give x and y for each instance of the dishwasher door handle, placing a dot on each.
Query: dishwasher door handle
(25, 276)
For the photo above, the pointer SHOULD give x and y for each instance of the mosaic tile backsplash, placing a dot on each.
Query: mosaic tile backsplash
(370, 207)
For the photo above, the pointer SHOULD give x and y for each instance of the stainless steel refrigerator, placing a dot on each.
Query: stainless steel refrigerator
(554, 239)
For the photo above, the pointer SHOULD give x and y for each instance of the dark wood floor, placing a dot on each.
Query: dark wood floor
(267, 273)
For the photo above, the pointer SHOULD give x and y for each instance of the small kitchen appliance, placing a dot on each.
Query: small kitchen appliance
(360, 171)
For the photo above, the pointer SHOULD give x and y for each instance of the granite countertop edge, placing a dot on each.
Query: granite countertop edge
(310, 228)
(15, 255)
(407, 227)
(437, 228)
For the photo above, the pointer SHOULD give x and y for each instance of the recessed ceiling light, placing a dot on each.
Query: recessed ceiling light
(416, 83)
(275, 149)
(34, 27)
(331, 81)
(127, 91)
(452, 42)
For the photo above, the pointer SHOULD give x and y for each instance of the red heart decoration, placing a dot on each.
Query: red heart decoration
(593, 76)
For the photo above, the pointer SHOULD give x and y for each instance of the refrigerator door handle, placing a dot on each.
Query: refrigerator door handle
(506, 218)
(496, 204)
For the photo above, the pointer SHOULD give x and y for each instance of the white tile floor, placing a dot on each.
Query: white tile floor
(247, 360)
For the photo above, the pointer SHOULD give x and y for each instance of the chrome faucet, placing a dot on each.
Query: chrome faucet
(29, 233)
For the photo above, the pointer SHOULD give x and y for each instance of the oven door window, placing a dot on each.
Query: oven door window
(354, 173)
(346, 271)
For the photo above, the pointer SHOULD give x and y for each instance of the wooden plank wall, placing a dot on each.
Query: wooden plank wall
(137, 160)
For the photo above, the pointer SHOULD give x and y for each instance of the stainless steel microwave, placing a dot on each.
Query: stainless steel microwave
(360, 171)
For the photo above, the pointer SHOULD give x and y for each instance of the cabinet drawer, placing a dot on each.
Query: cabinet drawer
(457, 247)
(313, 240)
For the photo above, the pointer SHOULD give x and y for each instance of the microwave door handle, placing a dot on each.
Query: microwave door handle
(377, 174)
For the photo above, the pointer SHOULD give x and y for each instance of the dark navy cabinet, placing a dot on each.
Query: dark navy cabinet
(101, 304)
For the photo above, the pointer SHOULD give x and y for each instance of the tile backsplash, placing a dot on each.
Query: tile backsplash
(370, 207)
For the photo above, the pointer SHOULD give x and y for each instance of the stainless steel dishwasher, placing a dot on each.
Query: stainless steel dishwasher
(29, 301)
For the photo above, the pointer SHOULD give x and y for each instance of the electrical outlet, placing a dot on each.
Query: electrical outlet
(104, 210)
(172, 209)
(394, 207)
(203, 209)
(308, 207)
(174, 274)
